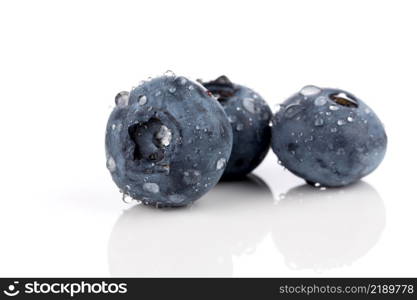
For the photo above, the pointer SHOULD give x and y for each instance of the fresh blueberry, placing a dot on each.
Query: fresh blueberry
(328, 137)
(249, 115)
(167, 141)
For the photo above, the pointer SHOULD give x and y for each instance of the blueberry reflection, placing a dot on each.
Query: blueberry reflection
(194, 241)
(324, 229)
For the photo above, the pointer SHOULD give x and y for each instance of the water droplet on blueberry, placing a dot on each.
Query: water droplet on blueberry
(232, 119)
(310, 90)
(220, 163)
(341, 122)
(183, 81)
(319, 122)
(142, 100)
(122, 99)
(292, 110)
(111, 164)
(250, 106)
(151, 187)
(320, 101)
(169, 73)
(126, 198)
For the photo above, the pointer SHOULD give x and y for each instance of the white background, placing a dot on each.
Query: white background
(62, 63)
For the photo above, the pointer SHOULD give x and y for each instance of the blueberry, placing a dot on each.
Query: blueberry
(249, 115)
(167, 142)
(328, 137)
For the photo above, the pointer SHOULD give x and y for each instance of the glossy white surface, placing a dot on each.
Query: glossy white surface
(60, 213)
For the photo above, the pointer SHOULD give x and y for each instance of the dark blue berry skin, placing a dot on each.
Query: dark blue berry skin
(249, 116)
(328, 137)
(169, 144)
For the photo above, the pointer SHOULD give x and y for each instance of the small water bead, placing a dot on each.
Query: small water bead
(232, 119)
(175, 198)
(192, 176)
(319, 122)
(310, 139)
(164, 135)
(320, 101)
(190, 87)
(122, 99)
(183, 81)
(142, 100)
(172, 90)
(341, 122)
(350, 119)
(292, 110)
(333, 130)
(126, 198)
(277, 108)
(310, 90)
(142, 82)
(169, 73)
(151, 187)
(317, 184)
(239, 127)
(238, 108)
(113, 126)
(111, 164)
(250, 105)
(220, 163)
(158, 93)
(333, 107)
